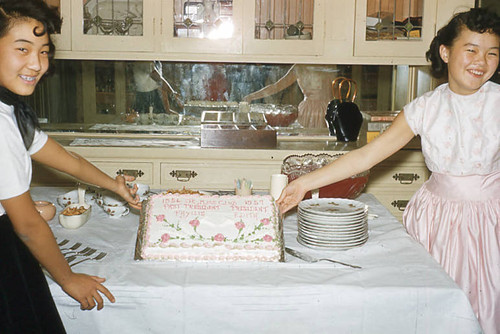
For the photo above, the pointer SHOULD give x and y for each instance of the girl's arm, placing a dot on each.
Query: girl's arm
(354, 162)
(54, 155)
(287, 80)
(38, 237)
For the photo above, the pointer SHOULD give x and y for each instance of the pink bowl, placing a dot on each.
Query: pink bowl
(46, 209)
(296, 165)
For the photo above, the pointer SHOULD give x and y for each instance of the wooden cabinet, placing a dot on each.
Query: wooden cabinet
(110, 25)
(305, 31)
(63, 39)
(393, 181)
(396, 179)
(402, 28)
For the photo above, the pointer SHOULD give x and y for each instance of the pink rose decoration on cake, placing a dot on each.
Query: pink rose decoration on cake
(165, 238)
(219, 237)
(160, 218)
(265, 221)
(267, 238)
(239, 225)
(194, 223)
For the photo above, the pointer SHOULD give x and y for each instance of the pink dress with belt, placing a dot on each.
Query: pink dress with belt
(455, 214)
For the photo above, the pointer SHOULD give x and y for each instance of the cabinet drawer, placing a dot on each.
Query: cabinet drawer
(143, 171)
(395, 202)
(216, 175)
(407, 176)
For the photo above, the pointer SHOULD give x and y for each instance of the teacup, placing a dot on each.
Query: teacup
(71, 197)
(109, 198)
(142, 189)
(46, 209)
(116, 211)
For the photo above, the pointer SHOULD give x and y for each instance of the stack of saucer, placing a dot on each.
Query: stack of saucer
(332, 223)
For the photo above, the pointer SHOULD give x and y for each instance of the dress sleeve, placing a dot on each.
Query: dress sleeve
(38, 141)
(414, 113)
(14, 171)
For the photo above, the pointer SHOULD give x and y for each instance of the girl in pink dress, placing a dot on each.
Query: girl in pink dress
(455, 215)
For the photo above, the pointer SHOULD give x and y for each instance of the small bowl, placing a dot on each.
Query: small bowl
(46, 209)
(76, 221)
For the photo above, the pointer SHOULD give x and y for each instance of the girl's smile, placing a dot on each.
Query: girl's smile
(25, 57)
(472, 60)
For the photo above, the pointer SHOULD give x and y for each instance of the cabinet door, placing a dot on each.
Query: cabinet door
(284, 27)
(113, 25)
(201, 26)
(63, 39)
(394, 28)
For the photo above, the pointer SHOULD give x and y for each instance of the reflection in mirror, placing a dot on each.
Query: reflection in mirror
(158, 96)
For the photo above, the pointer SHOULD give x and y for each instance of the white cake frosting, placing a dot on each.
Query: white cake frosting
(191, 227)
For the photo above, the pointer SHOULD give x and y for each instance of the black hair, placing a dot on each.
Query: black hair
(15, 10)
(12, 12)
(480, 20)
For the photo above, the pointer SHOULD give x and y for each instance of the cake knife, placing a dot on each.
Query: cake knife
(310, 259)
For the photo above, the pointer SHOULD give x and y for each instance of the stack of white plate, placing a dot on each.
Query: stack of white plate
(333, 223)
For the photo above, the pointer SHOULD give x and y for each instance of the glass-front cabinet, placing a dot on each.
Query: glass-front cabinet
(201, 26)
(62, 40)
(394, 27)
(284, 27)
(113, 25)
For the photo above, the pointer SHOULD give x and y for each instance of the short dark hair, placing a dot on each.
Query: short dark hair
(15, 10)
(479, 20)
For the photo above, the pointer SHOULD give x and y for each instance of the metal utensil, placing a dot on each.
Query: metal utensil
(64, 242)
(310, 259)
(72, 248)
(85, 250)
(99, 256)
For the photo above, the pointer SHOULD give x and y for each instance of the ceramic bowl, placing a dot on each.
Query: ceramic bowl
(46, 209)
(75, 221)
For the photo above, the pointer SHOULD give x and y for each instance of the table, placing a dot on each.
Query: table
(400, 289)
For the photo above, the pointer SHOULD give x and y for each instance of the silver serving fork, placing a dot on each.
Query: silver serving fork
(310, 259)
(99, 256)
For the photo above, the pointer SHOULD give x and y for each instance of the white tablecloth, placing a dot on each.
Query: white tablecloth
(400, 288)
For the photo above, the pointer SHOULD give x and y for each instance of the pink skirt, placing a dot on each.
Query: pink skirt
(456, 218)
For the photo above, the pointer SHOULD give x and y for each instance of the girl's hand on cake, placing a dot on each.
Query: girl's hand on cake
(293, 193)
(128, 194)
(87, 290)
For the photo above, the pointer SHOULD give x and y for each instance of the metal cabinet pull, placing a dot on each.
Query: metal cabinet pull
(183, 175)
(130, 172)
(406, 178)
(400, 204)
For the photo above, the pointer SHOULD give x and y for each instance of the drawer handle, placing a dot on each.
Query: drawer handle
(406, 178)
(400, 204)
(130, 172)
(183, 175)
